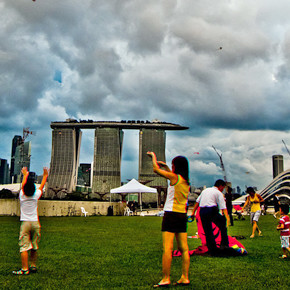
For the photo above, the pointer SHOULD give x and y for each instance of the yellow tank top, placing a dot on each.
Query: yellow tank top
(177, 195)
(255, 203)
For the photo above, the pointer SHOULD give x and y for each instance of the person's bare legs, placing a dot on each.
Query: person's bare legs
(182, 244)
(255, 227)
(33, 258)
(286, 252)
(167, 256)
(258, 230)
(24, 260)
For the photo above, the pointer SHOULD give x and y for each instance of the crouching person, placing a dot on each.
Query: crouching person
(30, 226)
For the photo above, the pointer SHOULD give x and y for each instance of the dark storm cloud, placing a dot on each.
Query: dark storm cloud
(221, 69)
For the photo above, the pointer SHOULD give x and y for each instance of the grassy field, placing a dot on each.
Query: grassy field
(125, 253)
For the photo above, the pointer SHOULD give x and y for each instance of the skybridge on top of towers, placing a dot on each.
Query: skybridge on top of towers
(131, 124)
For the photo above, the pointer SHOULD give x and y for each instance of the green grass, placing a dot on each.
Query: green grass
(125, 253)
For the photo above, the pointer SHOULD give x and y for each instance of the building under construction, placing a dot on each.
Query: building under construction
(20, 155)
(66, 142)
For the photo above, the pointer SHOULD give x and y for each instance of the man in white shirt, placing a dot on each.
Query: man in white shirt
(210, 201)
(30, 226)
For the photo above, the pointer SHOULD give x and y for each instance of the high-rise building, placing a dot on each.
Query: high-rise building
(33, 176)
(16, 141)
(278, 165)
(4, 172)
(64, 159)
(151, 140)
(107, 159)
(22, 159)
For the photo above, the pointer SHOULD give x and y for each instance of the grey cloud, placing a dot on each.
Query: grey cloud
(151, 59)
(283, 71)
(145, 24)
(147, 34)
(226, 46)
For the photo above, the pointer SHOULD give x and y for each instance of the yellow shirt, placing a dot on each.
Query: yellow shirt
(177, 195)
(255, 203)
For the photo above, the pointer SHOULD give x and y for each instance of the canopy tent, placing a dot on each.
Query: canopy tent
(134, 186)
(240, 200)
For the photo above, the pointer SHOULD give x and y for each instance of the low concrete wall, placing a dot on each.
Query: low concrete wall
(11, 207)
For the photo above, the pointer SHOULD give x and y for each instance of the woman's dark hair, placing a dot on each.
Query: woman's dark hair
(250, 190)
(181, 167)
(29, 187)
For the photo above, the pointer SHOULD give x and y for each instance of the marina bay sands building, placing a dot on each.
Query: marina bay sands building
(107, 159)
(151, 140)
(64, 158)
(108, 142)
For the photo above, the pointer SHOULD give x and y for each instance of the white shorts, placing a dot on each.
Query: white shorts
(284, 241)
(255, 216)
(29, 235)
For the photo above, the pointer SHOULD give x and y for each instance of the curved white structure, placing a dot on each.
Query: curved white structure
(280, 185)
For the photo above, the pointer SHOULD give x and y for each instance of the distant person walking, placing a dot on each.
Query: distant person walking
(174, 222)
(134, 206)
(254, 200)
(229, 203)
(276, 206)
(283, 227)
(30, 226)
(210, 201)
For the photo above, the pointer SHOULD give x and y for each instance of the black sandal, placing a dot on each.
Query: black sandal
(32, 269)
(161, 285)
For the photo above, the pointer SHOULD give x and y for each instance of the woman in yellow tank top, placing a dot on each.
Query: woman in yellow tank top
(254, 200)
(174, 223)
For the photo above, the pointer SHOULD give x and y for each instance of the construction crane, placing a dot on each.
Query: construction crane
(286, 147)
(222, 164)
(26, 133)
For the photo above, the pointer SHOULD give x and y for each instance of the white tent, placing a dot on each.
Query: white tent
(134, 186)
(240, 200)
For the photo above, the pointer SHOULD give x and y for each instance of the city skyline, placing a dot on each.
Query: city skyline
(220, 68)
(124, 179)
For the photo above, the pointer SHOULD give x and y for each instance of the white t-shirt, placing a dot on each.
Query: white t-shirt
(28, 206)
(211, 197)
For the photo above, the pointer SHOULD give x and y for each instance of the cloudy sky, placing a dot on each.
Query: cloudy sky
(221, 68)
